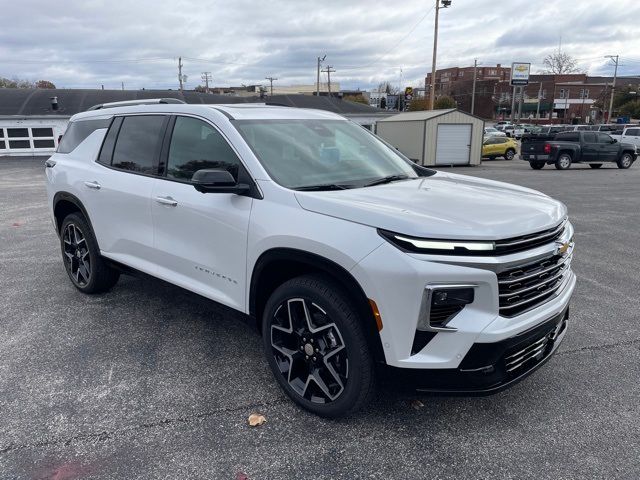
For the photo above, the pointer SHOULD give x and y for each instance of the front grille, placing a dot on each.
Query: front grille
(441, 314)
(534, 351)
(532, 240)
(527, 286)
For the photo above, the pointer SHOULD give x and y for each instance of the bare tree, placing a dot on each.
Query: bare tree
(560, 63)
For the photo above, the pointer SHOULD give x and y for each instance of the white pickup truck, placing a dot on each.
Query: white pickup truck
(629, 135)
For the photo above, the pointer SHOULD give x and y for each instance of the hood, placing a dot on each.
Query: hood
(444, 205)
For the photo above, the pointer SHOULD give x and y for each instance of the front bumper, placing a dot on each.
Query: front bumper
(489, 368)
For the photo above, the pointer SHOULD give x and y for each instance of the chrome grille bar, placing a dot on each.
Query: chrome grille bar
(537, 237)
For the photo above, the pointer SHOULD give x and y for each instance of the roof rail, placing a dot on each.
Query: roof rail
(128, 103)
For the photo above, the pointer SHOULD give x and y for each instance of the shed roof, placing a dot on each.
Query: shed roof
(417, 116)
(36, 102)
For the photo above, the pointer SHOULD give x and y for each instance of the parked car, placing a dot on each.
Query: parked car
(502, 122)
(594, 148)
(493, 132)
(509, 130)
(494, 147)
(348, 258)
(628, 135)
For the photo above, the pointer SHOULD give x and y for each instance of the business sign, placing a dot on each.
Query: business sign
(408, 93)
(520, 73)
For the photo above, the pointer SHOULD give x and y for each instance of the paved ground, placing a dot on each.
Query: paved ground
(150, 381)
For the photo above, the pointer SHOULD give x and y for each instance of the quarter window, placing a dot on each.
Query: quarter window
(78, 131)
(196, 145)
(604, 138)
(138, 145)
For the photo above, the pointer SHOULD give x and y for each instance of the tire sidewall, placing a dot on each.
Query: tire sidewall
(620, 162)
(559, 161)
(510, 154)
(356, 361)
(92, 245)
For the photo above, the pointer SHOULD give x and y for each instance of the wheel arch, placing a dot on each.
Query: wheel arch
(277, 265)
(65, 203)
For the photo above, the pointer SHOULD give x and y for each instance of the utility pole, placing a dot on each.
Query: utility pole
(320, 60)
(539, 97)
(271, 79)
(513, 104)
(432, 93)
(613, 85)
(473, 90)
(329, 71)
(206, 76)
(122, 84)
(520, 103)
(566, 104)
(180, 72)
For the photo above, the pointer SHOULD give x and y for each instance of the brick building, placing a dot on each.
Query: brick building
(566, 98)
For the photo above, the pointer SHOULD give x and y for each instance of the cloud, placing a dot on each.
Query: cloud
(88, 43)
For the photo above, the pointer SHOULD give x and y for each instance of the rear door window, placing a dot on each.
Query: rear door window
(604, 138)
(138, 144)
(634, 132)
(568, 137)
(589, 137)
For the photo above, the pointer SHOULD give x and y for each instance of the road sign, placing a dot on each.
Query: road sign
(520, 73)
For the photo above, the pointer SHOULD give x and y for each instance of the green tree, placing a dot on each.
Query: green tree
(44, 84)
(15, 83)
(444, 102)
(631, 109)
(356, 98)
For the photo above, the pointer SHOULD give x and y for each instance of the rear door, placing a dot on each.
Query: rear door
(119, 189)
(608, 150)
(590, 147)
(200, 238)
(453, 144)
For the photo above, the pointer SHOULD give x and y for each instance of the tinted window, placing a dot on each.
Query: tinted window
(604, 138)
(106, 152)
(19, 144)
(138, 144)
(2, 147)
(43, 144)
(490, 141)
(17, 132)
(42, 132)
(196, 145)
(568, 137)
(634, 132)
(502, 140)
(78, 131)
(607, 128)
(590, 137)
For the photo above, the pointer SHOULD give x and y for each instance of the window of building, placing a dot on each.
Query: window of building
(138, 145)
(19, 144)
(42, 132)
(196, 145)
(584, 93)
(544, 93)
(17, 132)
(562, 93)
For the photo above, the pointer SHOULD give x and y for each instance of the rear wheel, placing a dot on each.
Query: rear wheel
(87, 270)
(563, 162)
(316, 348)
(595, 165)
(625, 160)
(537, 165)
(510, 154)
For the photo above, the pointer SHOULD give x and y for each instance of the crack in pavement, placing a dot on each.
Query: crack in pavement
(106, 435)
(605, 346)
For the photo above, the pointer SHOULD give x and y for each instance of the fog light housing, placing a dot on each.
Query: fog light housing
(441, 303)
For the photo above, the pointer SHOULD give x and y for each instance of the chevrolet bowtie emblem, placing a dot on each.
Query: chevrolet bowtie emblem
(562, 247)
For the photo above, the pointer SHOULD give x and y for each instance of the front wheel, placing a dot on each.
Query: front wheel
(537, 165)
(87, 270)
(563, 162)
(625, 160)
(316, 347)
(510, 154)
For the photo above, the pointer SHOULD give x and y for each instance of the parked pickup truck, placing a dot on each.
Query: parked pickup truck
(629, 135)
(593, 148)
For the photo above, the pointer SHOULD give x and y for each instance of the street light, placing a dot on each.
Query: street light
(432, 93)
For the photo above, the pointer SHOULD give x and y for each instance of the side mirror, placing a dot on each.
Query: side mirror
(217, 181)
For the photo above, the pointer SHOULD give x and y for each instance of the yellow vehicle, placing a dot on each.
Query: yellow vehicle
(493, 147)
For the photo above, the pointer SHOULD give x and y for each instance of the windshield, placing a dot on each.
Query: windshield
(301, 154)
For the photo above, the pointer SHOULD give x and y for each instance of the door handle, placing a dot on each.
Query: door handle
(95, 185)
(167, 201)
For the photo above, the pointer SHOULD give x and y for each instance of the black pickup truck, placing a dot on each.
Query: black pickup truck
(594, 148)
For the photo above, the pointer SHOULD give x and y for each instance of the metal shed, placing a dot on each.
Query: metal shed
(435, 137)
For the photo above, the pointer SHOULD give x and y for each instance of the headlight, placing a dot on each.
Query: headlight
(437, 246)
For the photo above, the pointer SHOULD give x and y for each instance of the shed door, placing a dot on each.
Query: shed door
(453, 144)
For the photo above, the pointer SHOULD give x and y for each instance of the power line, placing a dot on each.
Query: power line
(206, 77)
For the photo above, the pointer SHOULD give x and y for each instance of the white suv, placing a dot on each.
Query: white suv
(354, 263)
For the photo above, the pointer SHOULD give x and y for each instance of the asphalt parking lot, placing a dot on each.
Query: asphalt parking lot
(150, 381)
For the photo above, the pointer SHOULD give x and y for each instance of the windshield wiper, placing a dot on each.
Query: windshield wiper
(326, 186)
(387, 179)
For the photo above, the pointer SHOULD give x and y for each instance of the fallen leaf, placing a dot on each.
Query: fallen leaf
(16, 224)
(416, 404)
(241, 476)
(256, 419)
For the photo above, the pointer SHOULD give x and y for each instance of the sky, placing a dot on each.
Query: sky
(89, 43)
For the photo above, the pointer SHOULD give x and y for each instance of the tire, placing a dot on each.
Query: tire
(509, 154)
(87, 270)
(625, 161)
(312, 335)
(563, 162)
(537, 165)
(595, 165)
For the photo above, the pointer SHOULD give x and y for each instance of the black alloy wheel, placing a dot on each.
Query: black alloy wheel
(76, 255)
(316, 348)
